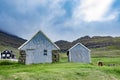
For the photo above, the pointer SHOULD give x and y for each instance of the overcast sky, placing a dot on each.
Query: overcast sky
(60, 19)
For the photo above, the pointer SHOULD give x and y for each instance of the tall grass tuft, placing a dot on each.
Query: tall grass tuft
(6, 62)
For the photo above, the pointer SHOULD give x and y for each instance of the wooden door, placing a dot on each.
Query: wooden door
(30, 57)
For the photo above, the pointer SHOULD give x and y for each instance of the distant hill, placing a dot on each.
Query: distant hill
(64, 45)
(7, 39)
(92, 42)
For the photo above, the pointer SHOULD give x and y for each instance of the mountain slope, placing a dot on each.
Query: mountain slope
(64, 45)
(93, 42)
(7, 39)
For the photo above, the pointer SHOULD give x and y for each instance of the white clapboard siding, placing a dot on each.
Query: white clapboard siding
(35, 47)
(79, 53)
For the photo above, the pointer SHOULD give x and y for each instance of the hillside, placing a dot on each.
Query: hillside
(9, 40)
(92, 42)
(109, 42)
(63, 70)
(64, 45)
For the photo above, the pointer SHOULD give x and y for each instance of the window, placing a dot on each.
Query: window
(8, 55)
(3, 55)
(45, 52)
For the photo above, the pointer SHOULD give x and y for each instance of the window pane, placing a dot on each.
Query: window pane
(8, 55)
(3, 55)
(45, 52)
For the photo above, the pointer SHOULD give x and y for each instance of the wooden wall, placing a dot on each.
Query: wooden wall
(35, 49)
(79, 54)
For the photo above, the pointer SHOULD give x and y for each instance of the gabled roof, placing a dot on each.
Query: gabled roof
(81, 45)
(34, 36)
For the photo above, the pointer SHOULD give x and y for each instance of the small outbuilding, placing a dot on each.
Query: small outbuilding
(39, 49)
(79, 53)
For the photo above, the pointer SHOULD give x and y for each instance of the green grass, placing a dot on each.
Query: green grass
(58, 71)
(64, 70)
(105, 53)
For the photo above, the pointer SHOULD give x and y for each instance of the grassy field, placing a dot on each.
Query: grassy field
(66, 71)
(58, 71)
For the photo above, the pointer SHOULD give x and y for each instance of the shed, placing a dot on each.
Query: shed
(39, 49)
(79, 53)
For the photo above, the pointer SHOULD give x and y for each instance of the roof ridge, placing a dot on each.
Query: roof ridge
(79, 44)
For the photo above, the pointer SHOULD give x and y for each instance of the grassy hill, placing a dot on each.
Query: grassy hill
(105, 49)
(14, 50)
(106, 42)
(63, 70)
(9, 40)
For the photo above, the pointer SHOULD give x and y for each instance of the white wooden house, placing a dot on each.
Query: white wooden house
(39, 49)
(7, 55)
(79, 53)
